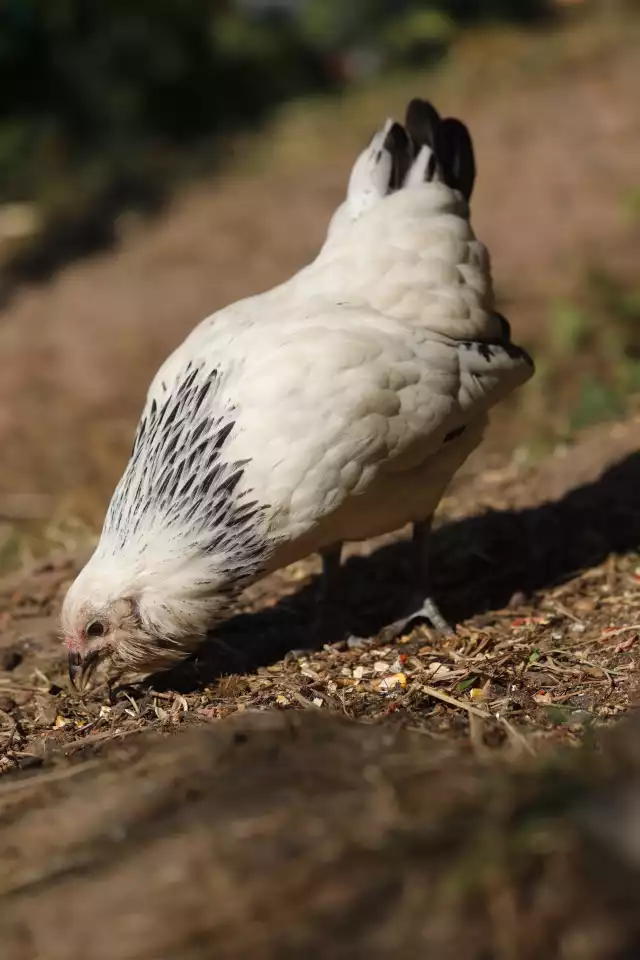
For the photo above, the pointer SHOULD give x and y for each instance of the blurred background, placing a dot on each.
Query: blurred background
(161, 158)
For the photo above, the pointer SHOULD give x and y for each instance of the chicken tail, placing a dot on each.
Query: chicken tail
(441, 149)
(427, 148)
(381, 168)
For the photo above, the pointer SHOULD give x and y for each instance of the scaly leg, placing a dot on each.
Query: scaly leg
(328, 622)
(427, 608)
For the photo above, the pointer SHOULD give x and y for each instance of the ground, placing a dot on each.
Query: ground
(536, 559)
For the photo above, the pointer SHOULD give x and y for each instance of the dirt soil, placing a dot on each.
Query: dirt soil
(297, 835)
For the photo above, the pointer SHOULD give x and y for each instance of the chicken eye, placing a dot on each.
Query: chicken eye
(95, 629)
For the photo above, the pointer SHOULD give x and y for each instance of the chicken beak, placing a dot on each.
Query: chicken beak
(81, 668)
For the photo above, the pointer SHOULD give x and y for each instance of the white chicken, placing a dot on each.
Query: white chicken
(335, 407)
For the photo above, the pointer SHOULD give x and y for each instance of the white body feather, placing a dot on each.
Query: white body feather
(348, 378)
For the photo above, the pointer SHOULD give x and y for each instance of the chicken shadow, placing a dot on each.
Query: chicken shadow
(479, 563)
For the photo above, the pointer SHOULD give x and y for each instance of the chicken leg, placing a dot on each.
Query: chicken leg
(328, 623)
(426, 607)
(329, 620)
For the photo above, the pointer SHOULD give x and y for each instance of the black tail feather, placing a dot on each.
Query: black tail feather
(505, 326)
(422, 122)
(450, 141)
(457, 158)
(398, 144)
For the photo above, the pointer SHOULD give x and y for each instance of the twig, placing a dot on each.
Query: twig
(438, 695)
(616, 633)
(97, 737)
(567, 613)
(52, 777)
(476, 736)
(516, 735)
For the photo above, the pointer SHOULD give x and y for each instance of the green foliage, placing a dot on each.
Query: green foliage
(334, 23)
(622, 303)
(591, 367)
(569, 330)
(80, 77)
(630, 205)
(419, 36)
(597, 402)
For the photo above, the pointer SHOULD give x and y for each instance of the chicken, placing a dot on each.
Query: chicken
(335, 407)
